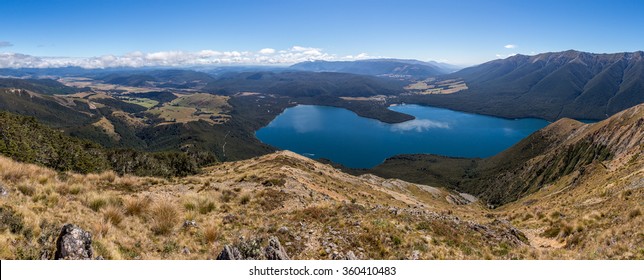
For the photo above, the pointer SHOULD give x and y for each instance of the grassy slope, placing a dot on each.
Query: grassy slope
(312, 207)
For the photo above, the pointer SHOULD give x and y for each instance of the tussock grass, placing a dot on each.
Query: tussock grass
(113, 215)
(27, 189)
(227, 196)
(136, 206)
(210, 233)
(244, 199)
(164, 217)
(101, 228)
(96, 203)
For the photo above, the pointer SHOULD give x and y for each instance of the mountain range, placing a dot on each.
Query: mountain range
(554, 85)
(407, 68)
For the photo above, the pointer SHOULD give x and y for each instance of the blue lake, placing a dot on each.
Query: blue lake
(344, 137)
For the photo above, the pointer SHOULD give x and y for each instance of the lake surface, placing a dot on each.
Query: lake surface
(344, 137)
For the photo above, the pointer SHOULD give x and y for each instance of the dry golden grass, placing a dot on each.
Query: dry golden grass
(113, 215)
(308, 205)
(164, 216)
(210, 233)
(101, 228)
(137, 206)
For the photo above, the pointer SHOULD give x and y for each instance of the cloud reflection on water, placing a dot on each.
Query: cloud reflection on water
(419, 125)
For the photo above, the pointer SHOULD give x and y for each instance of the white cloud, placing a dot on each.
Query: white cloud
(267, 51)
(419, 125)
(208, 53)
(5, 44)
(510, 46)
(265, 56)
(362, 56)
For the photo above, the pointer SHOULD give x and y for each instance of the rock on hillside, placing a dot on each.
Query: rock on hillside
(73, 244)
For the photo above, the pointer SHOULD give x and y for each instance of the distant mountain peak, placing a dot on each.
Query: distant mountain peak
(551, 85)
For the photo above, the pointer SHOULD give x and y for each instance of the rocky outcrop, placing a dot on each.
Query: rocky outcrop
(251, 250)
(501, 231)
(274, 250)
(230, 253)
(73, 243)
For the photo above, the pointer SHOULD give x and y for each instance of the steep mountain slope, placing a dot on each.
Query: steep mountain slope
(52, 110)
(377, 67)
(569, 84)
(560, 149)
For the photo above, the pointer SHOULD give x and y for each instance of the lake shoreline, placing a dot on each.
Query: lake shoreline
(354, 141)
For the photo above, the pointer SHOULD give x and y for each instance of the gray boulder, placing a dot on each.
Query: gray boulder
(230, 253)
(274, 250)
(73, 243)
(251, 250)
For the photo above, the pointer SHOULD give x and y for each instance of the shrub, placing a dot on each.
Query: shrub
(164, 217)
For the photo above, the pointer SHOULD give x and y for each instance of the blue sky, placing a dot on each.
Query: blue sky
(458, 32)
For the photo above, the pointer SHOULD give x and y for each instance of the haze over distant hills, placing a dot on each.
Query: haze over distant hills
(380, 67)
(550, 85)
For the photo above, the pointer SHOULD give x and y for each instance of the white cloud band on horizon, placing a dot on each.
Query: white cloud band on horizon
(265, 56)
